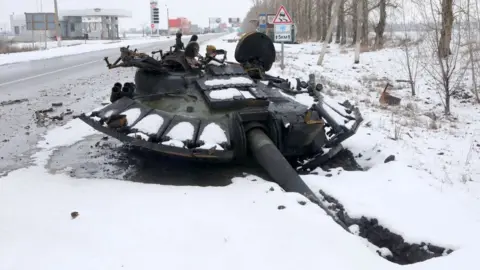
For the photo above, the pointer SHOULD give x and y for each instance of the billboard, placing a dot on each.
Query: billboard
(40, 21)
(215, 20)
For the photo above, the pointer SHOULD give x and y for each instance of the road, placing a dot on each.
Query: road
(80, 82)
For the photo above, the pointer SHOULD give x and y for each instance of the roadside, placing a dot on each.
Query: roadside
(30, 105)
(73, 48)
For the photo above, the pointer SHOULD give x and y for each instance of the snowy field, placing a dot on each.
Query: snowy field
(430, 193)
(72, 47)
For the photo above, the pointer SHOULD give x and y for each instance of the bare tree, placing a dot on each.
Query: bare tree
(411, 58)
(446, 30)
(446, 72)
(471, 52)
(359, 32)
(341, 35)
(380, 28)
(329, 32)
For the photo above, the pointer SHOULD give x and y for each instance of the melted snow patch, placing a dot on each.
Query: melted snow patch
(213, 135)
(225, 94)
(132, 115)
(234, 80)
(150, 124)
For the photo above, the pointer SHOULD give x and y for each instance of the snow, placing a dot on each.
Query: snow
(109, 113)
(139, 135)
(150, 124)
(213, 135)
(225, 94)
(247, 95)
(174, 143)
(230, 81)
(430, 193)
(230, 93)
(72, 49)
(95, 110)
(180, 133)
(132, 115)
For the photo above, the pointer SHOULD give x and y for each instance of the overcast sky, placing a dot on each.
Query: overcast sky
(198, 11)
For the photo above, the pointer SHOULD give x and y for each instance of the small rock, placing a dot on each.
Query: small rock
(328, 175)
(390, 158)
(441, 154)
(302, 202)
(271, 189)
(57, 104)
(74, 215)
(281, 207)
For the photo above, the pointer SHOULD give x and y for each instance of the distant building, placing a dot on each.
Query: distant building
(97, 23)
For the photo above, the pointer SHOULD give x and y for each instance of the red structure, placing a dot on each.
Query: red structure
(182, 24)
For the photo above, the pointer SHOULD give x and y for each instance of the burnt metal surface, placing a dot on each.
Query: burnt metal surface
(232, 97)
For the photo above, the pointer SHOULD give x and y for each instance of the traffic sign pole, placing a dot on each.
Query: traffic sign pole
(282, 63)
(283, 31)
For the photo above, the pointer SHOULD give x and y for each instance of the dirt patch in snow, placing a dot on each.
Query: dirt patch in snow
(387, 244)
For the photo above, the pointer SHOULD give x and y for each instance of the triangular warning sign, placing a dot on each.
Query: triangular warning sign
(282, 16)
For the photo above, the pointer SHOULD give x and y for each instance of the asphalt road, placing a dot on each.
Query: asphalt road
(80, 83)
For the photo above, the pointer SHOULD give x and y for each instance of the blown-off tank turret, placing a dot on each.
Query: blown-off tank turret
(208, 109)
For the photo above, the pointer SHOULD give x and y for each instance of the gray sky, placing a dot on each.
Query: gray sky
(198, 11)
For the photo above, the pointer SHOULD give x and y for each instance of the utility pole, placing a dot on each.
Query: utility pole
(168, 19)
(57, 25)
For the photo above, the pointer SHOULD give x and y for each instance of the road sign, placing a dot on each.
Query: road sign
(282, 16)
(262, 20)
(283, 33)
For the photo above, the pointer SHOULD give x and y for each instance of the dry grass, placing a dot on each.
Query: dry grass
(6, 47)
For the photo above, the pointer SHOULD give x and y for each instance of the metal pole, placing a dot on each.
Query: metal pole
(45, 20)
(57, 25)
(168, 20)
(282, 64)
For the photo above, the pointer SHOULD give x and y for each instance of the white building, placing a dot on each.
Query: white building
(97, 23)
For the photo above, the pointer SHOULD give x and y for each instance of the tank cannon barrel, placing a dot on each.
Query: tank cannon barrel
(274, 163)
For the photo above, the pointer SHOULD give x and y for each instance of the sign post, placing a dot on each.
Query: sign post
(282, 30)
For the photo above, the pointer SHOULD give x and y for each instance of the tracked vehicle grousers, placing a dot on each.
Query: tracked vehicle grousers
(219, 111)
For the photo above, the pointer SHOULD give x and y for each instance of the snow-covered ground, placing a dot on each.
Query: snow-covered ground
(430, 193)
(72, 47)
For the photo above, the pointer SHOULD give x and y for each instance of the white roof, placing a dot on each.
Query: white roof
(96, 12)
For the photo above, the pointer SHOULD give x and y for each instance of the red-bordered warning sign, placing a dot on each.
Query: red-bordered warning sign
(282, 17)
